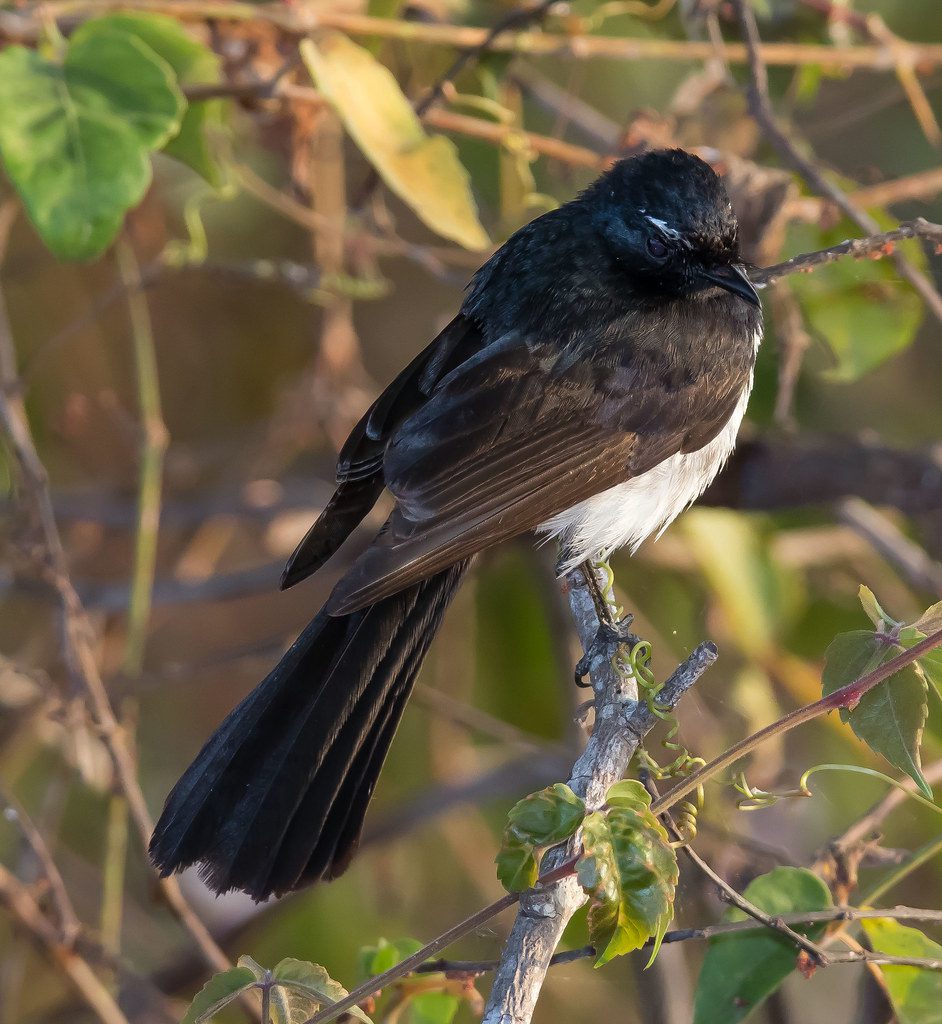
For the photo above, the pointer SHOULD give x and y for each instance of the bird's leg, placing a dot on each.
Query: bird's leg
(610, 631)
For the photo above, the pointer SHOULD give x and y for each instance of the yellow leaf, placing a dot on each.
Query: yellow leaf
(423, 170)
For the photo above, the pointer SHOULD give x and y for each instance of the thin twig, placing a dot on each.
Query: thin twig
(874, 246)
(728, 894)
(69, 922)
(620, 725)
(514, 19)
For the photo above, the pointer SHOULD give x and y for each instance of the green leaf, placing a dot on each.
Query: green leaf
(860, 308)
(300, 988)
(873, 608)
(629, 871)
(75, 137)
(916, 993)
(547, 817)
(423, 170)
(218, 993)
(192, 64)
(516, 865)
(433, 1008)
(889, 718)
(741, 970)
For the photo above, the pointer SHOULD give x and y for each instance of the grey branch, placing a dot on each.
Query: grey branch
(620, 724)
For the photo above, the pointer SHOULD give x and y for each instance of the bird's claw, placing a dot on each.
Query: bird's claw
(608, 634)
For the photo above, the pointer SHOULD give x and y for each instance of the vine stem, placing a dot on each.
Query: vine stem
(846, 697)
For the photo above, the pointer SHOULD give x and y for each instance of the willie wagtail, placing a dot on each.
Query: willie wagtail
(590, 388)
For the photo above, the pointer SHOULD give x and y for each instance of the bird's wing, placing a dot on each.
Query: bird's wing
(520, 432)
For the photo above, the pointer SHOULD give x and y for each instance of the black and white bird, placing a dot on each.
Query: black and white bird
(590, 388)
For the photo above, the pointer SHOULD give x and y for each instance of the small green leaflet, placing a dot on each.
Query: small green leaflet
(916, 993)
(629, 870)
(889, 718)
(537, 821)
(741, 970)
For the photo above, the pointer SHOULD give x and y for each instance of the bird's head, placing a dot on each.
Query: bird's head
(666, 221)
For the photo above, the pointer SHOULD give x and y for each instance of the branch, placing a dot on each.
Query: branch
(874, 246)
(730, 895)
(620, 725)
(843, 914)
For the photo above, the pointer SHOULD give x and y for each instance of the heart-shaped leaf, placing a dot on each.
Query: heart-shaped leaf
(75, 137)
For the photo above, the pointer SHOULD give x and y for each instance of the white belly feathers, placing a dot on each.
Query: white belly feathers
(628, 513)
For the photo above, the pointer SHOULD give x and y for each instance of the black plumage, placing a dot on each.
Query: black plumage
(601, 340)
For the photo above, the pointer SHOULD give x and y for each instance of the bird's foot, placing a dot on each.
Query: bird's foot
(609, 634)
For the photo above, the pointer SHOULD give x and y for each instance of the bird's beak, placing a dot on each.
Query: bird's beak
(734, 278)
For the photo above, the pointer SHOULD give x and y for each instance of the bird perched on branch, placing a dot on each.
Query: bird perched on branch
(590, 388)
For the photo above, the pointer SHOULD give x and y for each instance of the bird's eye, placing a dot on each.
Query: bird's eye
(657, 248)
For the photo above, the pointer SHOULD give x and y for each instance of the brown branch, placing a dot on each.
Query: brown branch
(766, 474)
(68, 919)
(760, 105)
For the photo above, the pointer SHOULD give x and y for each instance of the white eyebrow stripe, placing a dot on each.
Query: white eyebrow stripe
(668, 231)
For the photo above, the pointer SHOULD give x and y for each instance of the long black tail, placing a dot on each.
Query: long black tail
(277, 796)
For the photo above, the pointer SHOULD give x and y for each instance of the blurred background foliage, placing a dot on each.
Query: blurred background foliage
(272, 331)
